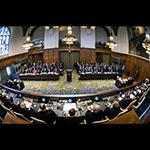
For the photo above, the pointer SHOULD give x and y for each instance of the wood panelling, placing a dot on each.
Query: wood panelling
(132, 62)
(127, 118)
(11, 119)
(83, 56)
(87, 55)
(51, 55)
(4, 62)
(93, 56)
(56, 55)
(48, 55)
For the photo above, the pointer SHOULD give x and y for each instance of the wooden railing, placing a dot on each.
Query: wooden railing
(77, 96)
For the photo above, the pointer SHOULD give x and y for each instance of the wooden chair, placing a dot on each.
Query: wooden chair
(130, 105)
(139, 103)
(21, 116)
(121, 113)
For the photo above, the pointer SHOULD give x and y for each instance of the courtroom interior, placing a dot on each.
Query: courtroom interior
(74, 75)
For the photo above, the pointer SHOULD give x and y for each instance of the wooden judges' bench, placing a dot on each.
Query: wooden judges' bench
(39, 77)
(97, 76)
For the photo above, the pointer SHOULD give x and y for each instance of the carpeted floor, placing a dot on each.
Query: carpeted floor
(63, 87)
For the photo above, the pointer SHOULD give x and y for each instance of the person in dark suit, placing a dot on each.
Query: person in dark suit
(22, 108)
(89, 116)
(112, 111)
(125, 102)
(47, 115)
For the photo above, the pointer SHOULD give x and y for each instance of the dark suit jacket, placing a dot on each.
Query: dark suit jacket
(112, 113)
(48, 116)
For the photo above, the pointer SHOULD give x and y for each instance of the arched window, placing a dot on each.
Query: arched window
(4, 40)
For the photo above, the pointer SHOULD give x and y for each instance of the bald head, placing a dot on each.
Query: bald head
(96, 107)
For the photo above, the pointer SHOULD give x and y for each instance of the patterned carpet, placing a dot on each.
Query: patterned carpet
(62, 87)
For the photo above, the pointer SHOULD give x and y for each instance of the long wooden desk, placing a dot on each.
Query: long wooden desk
(97, 76)
(39, 77)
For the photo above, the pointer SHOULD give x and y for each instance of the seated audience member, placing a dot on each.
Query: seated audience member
(22, 86)
(89, 116)
(125, 102)
(123, 82)
(10, 83)
(25, 109)
(46, 115)
(8, 101)
(113, 110)
(118, 82)
(72, 112)
(98, 112)
(147, 81)
(129, 81)
(72, 120)
(15, 84)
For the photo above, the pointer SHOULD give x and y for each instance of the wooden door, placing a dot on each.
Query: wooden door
(69, 58)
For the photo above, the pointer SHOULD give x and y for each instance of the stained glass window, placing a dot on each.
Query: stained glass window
(4, 40)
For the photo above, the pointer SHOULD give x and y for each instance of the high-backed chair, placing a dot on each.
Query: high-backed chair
(139, 103)
(130, 105)
(22, 116)
(7, 109)
(38, 121)
(101, 121)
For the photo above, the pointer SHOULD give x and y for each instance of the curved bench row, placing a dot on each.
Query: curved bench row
(89, 108)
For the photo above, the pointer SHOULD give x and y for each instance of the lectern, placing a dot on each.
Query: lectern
(69, 75)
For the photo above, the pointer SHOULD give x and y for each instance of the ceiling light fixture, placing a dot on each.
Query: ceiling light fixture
(28, 43)
(69, 38)
(111, 43)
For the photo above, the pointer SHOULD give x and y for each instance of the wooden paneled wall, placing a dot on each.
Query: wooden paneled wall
(4, 62)
(51, 55)
(87, 55)
(132, 62)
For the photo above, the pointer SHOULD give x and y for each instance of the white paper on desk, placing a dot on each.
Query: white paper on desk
(68, 106)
